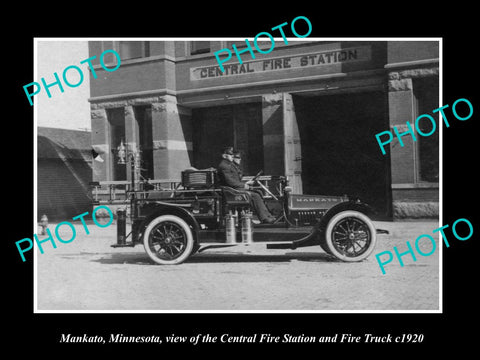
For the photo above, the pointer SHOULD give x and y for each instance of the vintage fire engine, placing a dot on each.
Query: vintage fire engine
(196, 214)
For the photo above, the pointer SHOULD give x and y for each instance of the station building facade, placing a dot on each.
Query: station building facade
(308, 110)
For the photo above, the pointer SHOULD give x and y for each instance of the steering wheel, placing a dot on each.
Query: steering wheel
(255, 179)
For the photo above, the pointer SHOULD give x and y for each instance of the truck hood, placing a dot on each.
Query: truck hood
(313, 202)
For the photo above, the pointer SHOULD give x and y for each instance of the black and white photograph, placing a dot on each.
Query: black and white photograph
(259, 188)
(228, 183)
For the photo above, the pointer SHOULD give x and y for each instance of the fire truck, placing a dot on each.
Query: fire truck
(195, 214)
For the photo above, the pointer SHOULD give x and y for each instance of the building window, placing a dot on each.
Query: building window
(263, 43)
(426, 94)
(116, 134)
(199, 47)
(239, 44)
(133, 49)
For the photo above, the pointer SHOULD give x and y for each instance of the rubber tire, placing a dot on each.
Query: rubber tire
(340, 216)
(323, 243)
(188, 232)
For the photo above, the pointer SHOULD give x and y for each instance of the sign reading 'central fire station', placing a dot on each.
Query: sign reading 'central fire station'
(322, 58)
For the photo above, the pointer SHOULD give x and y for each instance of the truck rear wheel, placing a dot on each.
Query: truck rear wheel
(350, 236)
(168, 240)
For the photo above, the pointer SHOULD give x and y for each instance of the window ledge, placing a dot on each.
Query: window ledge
(425, 185)
(136, 61)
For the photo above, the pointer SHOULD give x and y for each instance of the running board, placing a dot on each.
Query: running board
(270, 245)
(280, 246)
(128, 244)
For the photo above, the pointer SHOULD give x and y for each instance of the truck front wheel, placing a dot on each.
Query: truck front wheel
(350, 236)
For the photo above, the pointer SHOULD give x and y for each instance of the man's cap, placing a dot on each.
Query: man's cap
(237, 154)
(228, 150)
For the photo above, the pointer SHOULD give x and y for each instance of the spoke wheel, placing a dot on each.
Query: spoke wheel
(168, 240)
(350, 236)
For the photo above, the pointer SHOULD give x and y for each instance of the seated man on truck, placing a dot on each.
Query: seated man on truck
(229, 174)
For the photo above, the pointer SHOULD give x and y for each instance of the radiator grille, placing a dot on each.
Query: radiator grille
(308, 217)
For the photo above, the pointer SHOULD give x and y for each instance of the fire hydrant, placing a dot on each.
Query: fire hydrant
(43, 224)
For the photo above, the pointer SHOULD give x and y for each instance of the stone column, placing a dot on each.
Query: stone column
(172, 138)
(281, 139)
(401, 110)
(292, 144)
(273, 134)
(100, 143)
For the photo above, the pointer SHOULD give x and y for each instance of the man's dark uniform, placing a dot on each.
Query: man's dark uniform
(230, 174)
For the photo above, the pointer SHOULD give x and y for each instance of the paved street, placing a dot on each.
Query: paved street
(87, 274)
